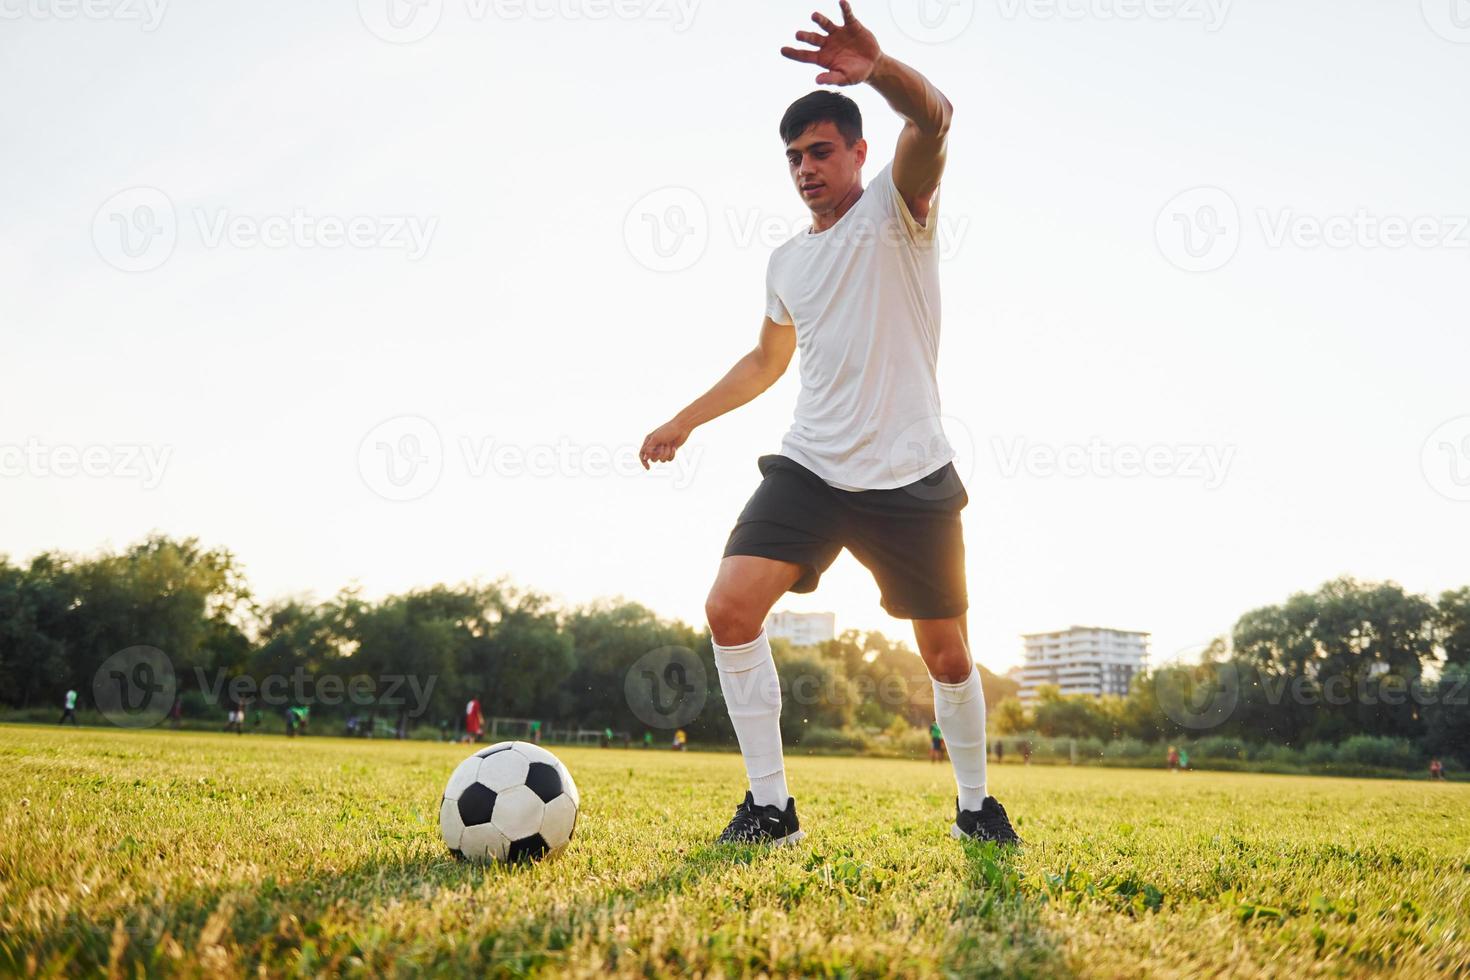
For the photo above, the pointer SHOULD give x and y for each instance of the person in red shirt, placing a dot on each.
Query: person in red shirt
(474, 721)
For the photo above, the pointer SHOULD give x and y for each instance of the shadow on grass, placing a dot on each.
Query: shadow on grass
(289, 926)
(343, 921)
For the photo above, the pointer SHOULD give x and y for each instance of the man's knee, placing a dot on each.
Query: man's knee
(948, 660)
(731, 621)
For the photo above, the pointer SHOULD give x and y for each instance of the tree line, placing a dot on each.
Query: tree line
(62, 616)
(1350, 659)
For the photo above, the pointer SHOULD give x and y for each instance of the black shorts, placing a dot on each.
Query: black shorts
(910, 537)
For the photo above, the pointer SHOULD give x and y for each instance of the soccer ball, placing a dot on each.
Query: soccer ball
(513, 801)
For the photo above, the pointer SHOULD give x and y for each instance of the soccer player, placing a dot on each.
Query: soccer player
(474, 720)
(69, 708)
(866, 464)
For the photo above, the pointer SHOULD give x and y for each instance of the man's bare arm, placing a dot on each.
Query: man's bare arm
(918, 163)
(751, 375)
(851, 55)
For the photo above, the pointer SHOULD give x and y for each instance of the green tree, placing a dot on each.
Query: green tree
(1447, 716)
(1011, 717)
(33, 660)
(1067, 715)
(1360, 646)
(608, 637)
(1452, 617)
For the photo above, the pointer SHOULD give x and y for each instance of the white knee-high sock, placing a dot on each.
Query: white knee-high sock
(753, 698)
(960, 711)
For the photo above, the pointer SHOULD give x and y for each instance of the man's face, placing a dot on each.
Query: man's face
(823, 167)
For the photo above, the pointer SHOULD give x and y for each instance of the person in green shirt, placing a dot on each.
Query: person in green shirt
(648, 740)
(936, 742)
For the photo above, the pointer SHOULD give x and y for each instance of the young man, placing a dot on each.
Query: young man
(866, 464)
(69, 708)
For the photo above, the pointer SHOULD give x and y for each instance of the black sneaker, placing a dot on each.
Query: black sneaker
(754, 824)
(987, 823)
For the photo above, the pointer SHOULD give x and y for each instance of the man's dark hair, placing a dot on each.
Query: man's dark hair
(823, 106)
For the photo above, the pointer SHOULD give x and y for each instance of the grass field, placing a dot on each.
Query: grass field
(184, 853)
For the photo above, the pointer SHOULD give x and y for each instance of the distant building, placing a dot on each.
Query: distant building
(802, 629)
(1083, 660)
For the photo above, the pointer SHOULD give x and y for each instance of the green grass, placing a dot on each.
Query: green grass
(207, 854)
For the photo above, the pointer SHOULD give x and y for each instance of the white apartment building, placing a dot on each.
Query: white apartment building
(802, 629)
(1083, 660)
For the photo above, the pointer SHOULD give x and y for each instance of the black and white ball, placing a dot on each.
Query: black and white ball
(513, 801)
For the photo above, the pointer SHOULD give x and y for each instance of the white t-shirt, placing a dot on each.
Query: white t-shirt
(864, 296)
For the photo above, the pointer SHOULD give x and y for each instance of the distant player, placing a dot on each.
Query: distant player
(474, 721)
(866, 464)
(936, 742)
(69, 708)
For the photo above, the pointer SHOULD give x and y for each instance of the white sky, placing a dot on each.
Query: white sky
(522, 141)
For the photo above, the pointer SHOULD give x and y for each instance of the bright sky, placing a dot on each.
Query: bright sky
(250, 250)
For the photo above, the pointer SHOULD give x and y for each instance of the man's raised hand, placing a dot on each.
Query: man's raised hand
(848, 51)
